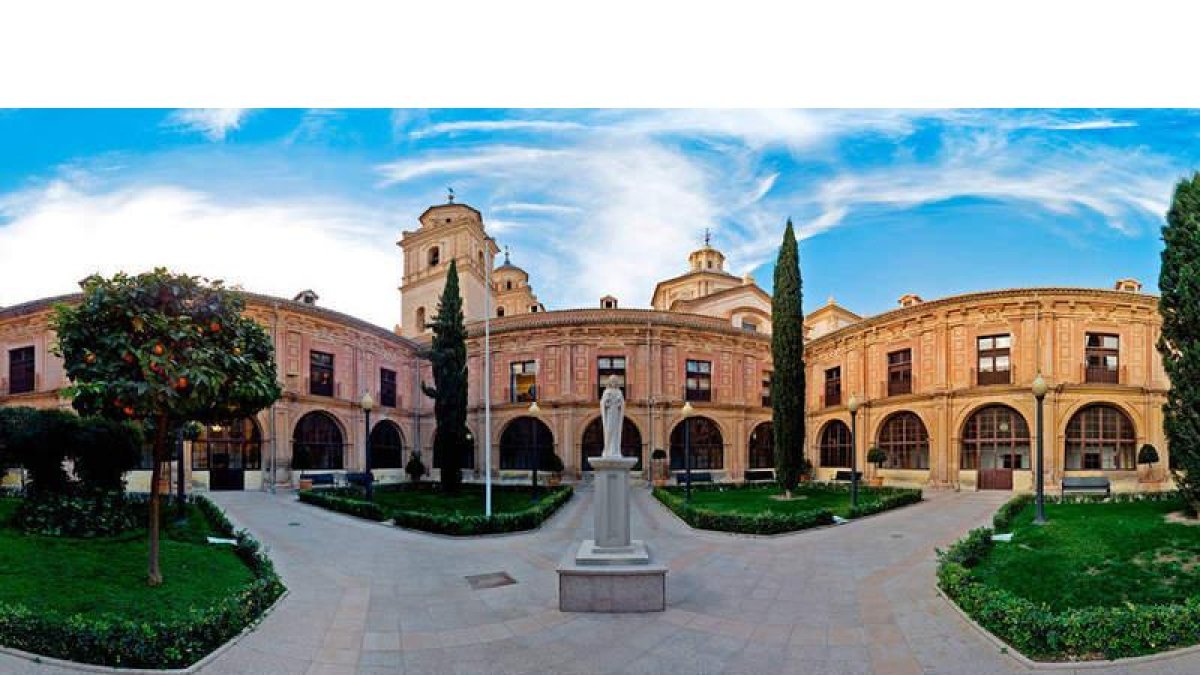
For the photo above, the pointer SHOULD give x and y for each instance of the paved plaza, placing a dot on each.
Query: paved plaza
(857, 598)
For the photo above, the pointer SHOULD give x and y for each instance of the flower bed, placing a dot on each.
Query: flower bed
(175, 642)
(784, 516)
(1040, 631)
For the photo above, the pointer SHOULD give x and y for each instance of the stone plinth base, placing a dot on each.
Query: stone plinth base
(591, 554)
(611, 587)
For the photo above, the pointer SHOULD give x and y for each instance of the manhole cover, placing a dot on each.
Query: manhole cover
(897, 536)
(490, 580)
(293, 524)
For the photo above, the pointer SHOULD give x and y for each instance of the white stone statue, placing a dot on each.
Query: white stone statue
(612, 417)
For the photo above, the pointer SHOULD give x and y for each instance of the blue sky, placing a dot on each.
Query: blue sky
(592, 201)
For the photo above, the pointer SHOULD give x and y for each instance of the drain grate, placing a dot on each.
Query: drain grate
(490, 580)
(293, 524)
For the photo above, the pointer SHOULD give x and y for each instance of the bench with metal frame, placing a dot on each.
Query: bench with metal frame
(752, 475)
(844, 476)
(320, 479)
(1087, 485)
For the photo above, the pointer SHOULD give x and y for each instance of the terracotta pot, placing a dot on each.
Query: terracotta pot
(305, 483)
(660, 475)
(876, 481)
(555, 479)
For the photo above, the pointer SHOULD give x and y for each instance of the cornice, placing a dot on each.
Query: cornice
(565, 318)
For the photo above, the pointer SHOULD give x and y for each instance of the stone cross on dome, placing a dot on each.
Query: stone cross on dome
(707, 237)
(450, 195)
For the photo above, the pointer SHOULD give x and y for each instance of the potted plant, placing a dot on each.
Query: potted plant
(415, 468)
(876, 456)
(658, 467)
(553, 466)
(1148, 454)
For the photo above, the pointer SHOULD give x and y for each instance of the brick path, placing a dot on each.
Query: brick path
(858, 598)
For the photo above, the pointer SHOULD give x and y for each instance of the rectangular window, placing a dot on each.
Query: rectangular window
(699, 380)
(1103, 358)
(20, 370)
(611, 366)
(320, 374)
(900, 372)
(766, 389)
(993, 353)
(387, 388)
(833, 386)
(749, 326)
(523, 384)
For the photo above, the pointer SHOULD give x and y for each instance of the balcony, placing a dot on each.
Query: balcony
(988, 377)
(832, 397)
(899, 387)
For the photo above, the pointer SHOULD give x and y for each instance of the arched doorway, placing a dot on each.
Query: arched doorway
(226, 450)
(905, 441)
(762, 446)
(593, 443)
(1101, 437)
(523, 440)
(707, 445)
(387, 446)
(834, 446)
(317, 443)
(995, 441)
(468, 452)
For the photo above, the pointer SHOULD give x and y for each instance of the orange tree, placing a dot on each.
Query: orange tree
(164, 349)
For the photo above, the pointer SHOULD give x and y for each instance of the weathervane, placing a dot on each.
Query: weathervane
(707, 236)
(506, 255)
(450, 196)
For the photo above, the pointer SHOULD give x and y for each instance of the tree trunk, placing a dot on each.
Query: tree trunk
(154, 575)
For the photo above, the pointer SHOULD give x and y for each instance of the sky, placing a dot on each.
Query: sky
(592, 202)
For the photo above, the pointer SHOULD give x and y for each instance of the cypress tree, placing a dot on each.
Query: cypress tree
(448, 353)
(1179, 343)
(787, 354)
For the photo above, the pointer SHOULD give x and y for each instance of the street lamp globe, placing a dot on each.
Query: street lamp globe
(688, 410)
(1039, 386)
(534, 409)
(367, 403)
(852, 404)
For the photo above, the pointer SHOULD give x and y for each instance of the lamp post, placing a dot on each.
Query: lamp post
(367, 404)
(1039, 392)
(686, 413)
(852, 406)
(487, 384)
(534, 410)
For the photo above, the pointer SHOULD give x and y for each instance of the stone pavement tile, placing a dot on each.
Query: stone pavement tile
(412, 641)
(757, 660)
(840, 636)
(771, 634)
(343, 638)
(809, 636)
(337, 656)
(331, 669)
(886, 634)
(735, 628)
(372, 642)
(382, 659)
(889, 661)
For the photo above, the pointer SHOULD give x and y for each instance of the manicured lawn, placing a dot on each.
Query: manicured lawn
(107, 576)
(754, 501)
(1091, 555)
(468, 501)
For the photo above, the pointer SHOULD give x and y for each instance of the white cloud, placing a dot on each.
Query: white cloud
(277, 247)
(214, 123)
(465, 126)
(524, 207)
(494, 161)
(1089, 125)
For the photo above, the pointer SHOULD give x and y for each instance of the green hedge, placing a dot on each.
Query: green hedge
(175, 643)
(1074, 634)
(102, 514)
(777, 523)
(466, 526)
(1003, 520)
(334, 500)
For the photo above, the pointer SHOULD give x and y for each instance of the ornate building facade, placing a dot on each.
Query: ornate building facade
(944, 384)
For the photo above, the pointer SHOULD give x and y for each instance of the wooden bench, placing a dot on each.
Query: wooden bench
(759, 474)
(359, 479)
(844, 476)
(1087, 485)
(319, 479)
(697, 477)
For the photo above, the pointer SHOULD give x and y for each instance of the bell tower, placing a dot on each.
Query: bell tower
(449, 231)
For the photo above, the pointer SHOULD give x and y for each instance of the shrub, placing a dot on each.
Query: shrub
(338, 500)
(1148, 454)
(39, 440)
(415, 468)
(103, 451)
(554, 463)
(658, 453)
(472, 525)
(100, 514)
(173, 643)
(876, 456)
(1039, 632)
(1005, 515)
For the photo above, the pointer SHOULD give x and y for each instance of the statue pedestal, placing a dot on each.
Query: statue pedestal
(611, 572)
